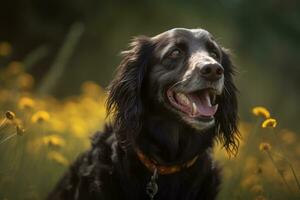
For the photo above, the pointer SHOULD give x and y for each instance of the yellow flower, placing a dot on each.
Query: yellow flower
(10, 115)
(265, 146)
(91, 89)
(288, 137)
(5, 96)
(249, 181)
(54, 141)
(15, 68)
(58, 158)
(257, 189)
(5, 49)
(260, 197)
(261, 111)
(25, 81)
(272, 123)
(26, 103)
(40, 116)
(57, 124)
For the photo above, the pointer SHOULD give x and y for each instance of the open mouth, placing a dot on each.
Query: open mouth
(198, 104)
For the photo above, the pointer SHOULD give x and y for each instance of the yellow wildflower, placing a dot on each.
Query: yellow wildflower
(5, 49)
(257, 189)
(264, 146)
(249, 180)
(261, 111)
(91, 89)
(260, 197)
(26, 103)
(40, 116)
(288, 137)
(5, 96)
(10, 115)
(272, 123)
(58, 158)
(79, 128)
(25, 81)
(57, 124)
(54, 141)
(15, 68)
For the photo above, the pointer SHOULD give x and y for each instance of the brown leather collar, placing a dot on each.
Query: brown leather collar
(163, 170)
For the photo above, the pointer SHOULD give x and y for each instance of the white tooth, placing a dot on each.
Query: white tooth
(183, 98)
(208, 100)
(194, 106)
(214, 99)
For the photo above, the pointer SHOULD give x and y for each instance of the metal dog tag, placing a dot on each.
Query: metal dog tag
(152, 186)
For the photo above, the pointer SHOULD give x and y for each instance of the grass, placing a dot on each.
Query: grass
(41, 135)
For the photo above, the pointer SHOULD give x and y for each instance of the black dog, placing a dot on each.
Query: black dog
(172, 97)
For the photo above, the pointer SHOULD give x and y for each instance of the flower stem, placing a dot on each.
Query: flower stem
(284, 156)
(294, 174)
(278, 171)
(2, 123)
(7, 138)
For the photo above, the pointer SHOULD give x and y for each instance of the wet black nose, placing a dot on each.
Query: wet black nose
(212, 72)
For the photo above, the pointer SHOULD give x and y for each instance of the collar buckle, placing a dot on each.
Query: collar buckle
(152, 187)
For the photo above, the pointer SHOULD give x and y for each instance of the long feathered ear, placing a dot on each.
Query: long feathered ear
(227, 117)
(124, 103)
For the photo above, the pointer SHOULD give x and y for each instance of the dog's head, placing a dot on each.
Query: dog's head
(183, 72)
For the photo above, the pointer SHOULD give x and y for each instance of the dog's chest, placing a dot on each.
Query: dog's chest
(183, 186)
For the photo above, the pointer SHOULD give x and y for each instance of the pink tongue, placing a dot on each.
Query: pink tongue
(203, 105)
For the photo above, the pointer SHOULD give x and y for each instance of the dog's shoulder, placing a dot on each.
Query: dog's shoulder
(90, 174)
(97, 162)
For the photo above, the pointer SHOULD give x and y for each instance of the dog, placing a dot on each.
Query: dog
(173, 96)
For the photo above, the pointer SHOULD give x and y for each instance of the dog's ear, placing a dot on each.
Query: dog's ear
(227, 117)
(124, 102)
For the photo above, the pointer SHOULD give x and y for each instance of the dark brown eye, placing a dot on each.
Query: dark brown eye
(175, 53)
(212, 49)
(214, 55)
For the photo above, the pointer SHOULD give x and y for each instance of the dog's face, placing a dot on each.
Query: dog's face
(183, 71)
(187, 75)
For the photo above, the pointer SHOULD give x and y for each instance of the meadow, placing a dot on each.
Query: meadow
(41, 135)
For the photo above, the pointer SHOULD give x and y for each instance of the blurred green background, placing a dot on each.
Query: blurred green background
(264, 37)
(64, 43)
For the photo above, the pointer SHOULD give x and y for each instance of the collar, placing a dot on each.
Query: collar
(152, 165)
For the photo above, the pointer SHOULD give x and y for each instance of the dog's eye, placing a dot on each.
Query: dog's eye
(214, 55)
(175, 54)
(212, 49)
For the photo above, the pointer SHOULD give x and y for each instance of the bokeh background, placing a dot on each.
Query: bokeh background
(57, 56)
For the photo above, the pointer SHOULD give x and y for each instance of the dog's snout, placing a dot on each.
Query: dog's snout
(212, 72)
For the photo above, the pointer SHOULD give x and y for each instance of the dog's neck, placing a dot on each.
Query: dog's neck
(169, 141)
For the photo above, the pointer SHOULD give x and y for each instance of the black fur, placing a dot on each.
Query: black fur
(111, 169)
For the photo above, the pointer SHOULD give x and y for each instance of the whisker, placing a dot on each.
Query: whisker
(227, 91)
